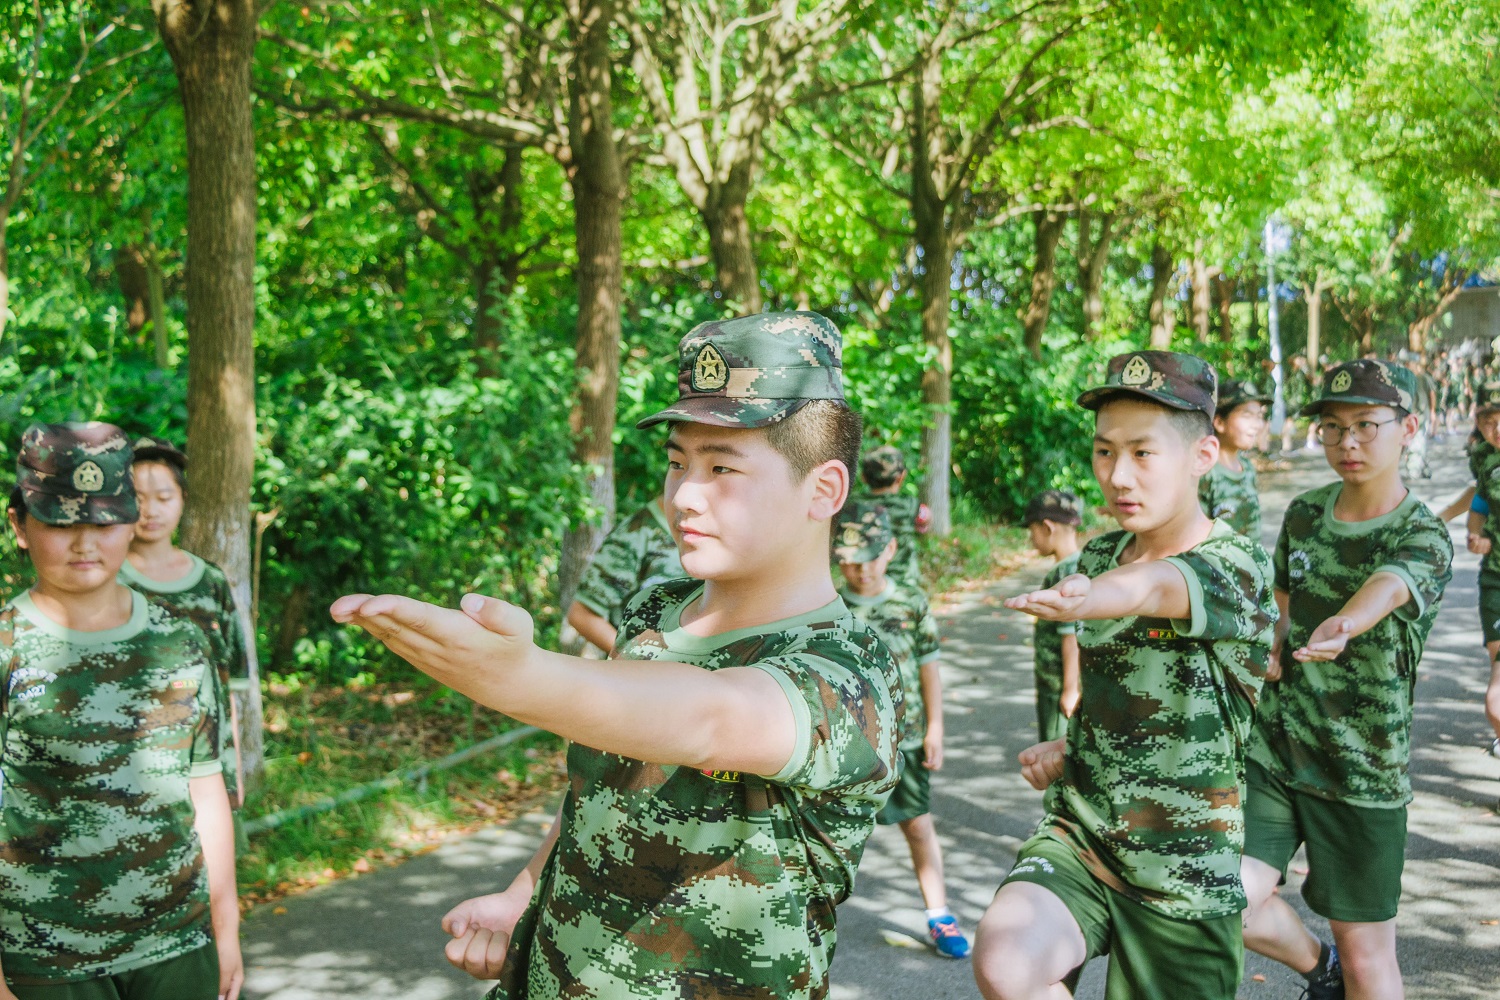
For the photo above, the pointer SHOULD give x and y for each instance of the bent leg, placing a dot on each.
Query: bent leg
(1027, 944)
(1368, 954)
(926, 860)
(1271, 927)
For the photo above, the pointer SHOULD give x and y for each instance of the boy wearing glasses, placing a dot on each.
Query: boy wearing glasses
(1360, 567)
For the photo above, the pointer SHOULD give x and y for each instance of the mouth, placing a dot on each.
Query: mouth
(691, 536)
(84, 564)
(1127, 507)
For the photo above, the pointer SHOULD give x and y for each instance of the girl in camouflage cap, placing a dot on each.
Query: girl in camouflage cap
(116, 847)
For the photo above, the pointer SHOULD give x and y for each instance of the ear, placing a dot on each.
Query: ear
(830, 488)
(17, 528)
(1409, 427)
(1204, 455)
(889, 550)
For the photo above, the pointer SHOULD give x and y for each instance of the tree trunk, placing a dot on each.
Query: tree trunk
(936, 242)
(729, 242)
(130, 276)
(499, 257)
(597, 179)
(211, 43)
(1093, 258)
(156, 301)
(1202, 303)
(4, 276)
(488, 294)
(290, 626)
(1226, 288)
(1159, 312)
(1314, 327)
(1049, 227)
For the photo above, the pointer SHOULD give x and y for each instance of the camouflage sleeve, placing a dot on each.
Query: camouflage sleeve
(210, 728)
(846, 720)
(1423, 558)
(926, 641)
(1052, 579)
(610, 579)
(1227, 592)
(236, 661)
(1282, 579)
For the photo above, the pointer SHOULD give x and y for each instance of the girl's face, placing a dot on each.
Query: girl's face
(1242, 426)
(77, 559)
(160, 500)
(1488, 423)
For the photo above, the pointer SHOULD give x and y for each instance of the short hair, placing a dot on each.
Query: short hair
(17, 505)
(178, 473)
(824, 430)
(1191, 426)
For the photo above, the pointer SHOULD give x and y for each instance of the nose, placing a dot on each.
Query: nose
(685, 496)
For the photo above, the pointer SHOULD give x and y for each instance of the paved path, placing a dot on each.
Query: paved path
(377, 936)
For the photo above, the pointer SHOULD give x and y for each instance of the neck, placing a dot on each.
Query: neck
(1065, 546)
(885, 490)
(1370, 499)
(727, 605)
(1187, 529)
(1229, 457)
(94, 611)
(158, 553)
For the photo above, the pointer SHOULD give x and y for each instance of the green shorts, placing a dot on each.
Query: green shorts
(1051, 724)
(1151, 956)
(1489, 604)
(912, 796)
(1355, 854)
(194, 976)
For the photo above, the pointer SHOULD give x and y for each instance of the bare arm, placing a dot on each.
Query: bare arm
(932, 701)
(1381, 594)
(592, 626)
(1283, 626)
(211, 819)
(1478, 542)
(1154, 588)
(1459, 505)
(735, 719)
(1072, 678)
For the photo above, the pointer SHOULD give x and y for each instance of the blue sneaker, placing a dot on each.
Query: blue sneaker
(947, 938)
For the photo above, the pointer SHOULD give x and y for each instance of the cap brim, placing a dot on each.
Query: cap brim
(1092, 399)
(63, 511)
(723, 411)
(868, 553)
(1055, 516)
(1316, 406)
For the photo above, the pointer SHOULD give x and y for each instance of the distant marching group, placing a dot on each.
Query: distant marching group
(1204, 708)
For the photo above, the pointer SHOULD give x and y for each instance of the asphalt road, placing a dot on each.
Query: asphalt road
(378, 935)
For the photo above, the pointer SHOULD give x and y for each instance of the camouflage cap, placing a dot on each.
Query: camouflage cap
(1368, 382)
(755, 370)
(882, 466)
(1057, 506)
(1235, 392)
(76, 474)
(861, 533)
(1180, 381)
(1487, 398)
(150, 448)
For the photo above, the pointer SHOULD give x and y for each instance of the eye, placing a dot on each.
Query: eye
(674, 465)
(1101, 452)
(1143, 453)
(722, 470)
(1365, 426)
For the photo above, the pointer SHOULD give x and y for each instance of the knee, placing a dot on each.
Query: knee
(1369, 963)
(1004, 967)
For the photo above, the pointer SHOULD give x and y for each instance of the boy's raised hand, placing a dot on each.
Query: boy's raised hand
(1060, 604)
(442, 642)
(1042, 764)
(1327, 641)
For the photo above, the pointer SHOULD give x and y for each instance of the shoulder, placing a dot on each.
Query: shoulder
(1098, 553)
(1420, 521)
(1231, 549)
(651, 605)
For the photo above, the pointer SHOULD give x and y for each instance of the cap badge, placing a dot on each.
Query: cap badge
(851, 534)
(710, 372)
(1136, 372)
(88, 478)
(1342, 381)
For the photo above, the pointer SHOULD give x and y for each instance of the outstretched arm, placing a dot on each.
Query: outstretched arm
(1458, 506)
(1381, 594)
(1154, 588)
(735, 719)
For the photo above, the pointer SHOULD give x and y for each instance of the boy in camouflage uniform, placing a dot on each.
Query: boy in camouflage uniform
(727, 765)
(1229, 491)
(1484, 465)
(864, 546)
(883, 472)
(636, 554)
(1360, 567)
(1052, 520)
(116, 848)
(1139, 853)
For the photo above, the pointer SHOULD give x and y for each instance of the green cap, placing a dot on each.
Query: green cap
(150, 448)
(1366, 382)
(1057, 506)
(1488, 398)
(755, 370)
(862, 532)
(1180, 381)
(76, 474)
(1235, 392)
(882, 467)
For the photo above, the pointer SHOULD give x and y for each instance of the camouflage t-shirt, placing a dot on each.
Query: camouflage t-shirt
(1342, 730)
(1047, 638)
(205, 597)
(1484, 465)
(636, 554)
(1232, 497)
(900, 616)
(1150, 796)
(902, 509)
(672, 882)
(101, 870)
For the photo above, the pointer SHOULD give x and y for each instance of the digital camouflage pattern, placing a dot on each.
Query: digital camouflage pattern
(861, 532)
(1342, 730)
(904, 622)
(1150, 797)
(1367, 382)
(1232, 497)
(1180, 381)
(205, 597)
(1057, 506)
(150, 448)
(670, 882)
(904, 511)
(1046, 647)
(755, 370)
(76, 474)
(637, 553)
(1484, 466)
(100, 868)
(882, 467)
